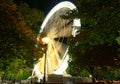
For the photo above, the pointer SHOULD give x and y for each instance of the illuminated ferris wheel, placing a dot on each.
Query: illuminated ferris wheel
(55, 32)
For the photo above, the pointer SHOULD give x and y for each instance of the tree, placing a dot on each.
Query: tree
(96, 45)
(17, 38)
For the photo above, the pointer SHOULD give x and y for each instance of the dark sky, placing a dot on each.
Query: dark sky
(44, 5)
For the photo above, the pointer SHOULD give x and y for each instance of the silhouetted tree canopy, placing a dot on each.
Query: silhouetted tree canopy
(96, 45)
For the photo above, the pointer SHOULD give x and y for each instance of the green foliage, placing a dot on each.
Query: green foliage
(99, 20)
(16, 50)
(116, 73)
(118, 40)
(32, 16)
(16, 69)
(8, 1)
(96, 46)
(107, 73)
(84, 73)
(73, 69)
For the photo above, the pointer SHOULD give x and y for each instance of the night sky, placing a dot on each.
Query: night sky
(44, 5)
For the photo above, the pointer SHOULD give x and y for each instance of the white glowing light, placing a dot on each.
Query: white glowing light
(63, 66)
(76, 27)
(45, 40)
(37, 72)
(77, 22)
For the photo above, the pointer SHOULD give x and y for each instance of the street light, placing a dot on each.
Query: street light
(45, 41)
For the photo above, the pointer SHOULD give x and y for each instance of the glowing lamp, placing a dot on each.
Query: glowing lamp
(45, 40)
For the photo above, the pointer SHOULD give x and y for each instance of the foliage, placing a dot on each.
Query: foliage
(107, 73)
(96, 46)
(17, 39)
(17, 69)
(97, 19)
(8, 1)
(84, 73)
(32, 16)
(74, 70)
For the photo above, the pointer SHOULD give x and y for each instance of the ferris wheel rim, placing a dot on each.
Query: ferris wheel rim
(64, 4)
(68, 6)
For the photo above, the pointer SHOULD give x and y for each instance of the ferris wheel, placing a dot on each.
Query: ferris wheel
(55, 31)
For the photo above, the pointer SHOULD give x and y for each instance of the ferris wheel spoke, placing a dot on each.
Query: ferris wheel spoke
(52, 56)
(63, 32)
(58, 30)
(60, 48)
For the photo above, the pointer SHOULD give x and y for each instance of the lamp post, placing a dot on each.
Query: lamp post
(45, 41)
(44, 78)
